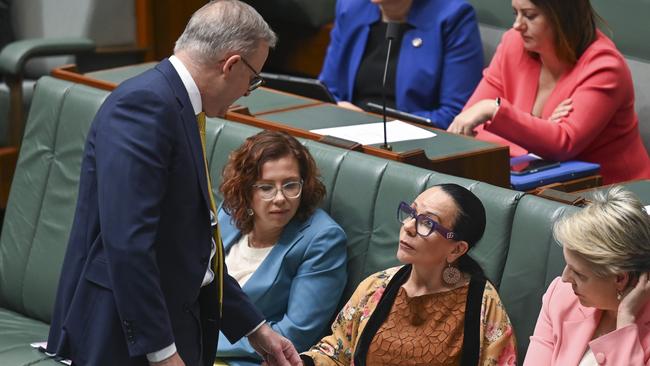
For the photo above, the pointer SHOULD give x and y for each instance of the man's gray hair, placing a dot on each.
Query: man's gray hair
(224, 26)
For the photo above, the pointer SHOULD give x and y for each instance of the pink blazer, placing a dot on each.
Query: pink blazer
(564, 330)
(602, 128)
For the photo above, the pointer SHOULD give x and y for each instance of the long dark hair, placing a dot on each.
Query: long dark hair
(469, 224)
(574, 23)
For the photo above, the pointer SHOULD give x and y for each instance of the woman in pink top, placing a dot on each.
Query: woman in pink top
(559, 88)
(598, 312)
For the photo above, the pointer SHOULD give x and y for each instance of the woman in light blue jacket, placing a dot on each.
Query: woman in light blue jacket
(288, 255)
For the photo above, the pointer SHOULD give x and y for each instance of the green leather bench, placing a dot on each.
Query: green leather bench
(517, 252)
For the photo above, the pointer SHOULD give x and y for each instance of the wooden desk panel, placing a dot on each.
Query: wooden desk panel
(447, 153)
(264, 100)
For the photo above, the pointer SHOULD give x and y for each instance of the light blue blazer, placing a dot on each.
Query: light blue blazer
(297, 287)
(440, 59)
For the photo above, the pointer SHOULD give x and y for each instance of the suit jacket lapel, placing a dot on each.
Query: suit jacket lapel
(261, 281)
(189, 124)
(578, 328)
(229, 232)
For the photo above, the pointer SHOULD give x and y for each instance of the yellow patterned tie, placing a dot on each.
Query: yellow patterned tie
(217, 267)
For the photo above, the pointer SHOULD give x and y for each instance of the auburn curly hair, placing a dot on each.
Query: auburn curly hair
(245, 166)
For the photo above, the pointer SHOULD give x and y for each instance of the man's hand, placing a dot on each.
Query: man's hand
(274, 348)
(174, 360)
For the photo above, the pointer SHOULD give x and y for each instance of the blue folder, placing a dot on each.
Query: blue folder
(566, 171)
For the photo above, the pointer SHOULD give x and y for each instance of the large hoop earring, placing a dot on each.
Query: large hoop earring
(250, 212)
(451, 275)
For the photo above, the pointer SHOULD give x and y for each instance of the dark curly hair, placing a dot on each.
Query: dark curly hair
(245, 166)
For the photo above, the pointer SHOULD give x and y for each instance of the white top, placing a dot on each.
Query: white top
(243, 260)
(588, 359)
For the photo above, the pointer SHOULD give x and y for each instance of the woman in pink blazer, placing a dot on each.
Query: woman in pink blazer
(598, 312)
(559, 88)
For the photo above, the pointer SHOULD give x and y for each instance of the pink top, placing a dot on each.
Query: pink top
(564, 330)
(602, 127)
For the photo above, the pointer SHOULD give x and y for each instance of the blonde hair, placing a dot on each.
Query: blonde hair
(612, 233)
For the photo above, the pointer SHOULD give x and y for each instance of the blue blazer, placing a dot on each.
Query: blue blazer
(141, 237)
(298, 285)
(433, 80)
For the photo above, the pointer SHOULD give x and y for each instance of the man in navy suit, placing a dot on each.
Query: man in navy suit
(139, 283)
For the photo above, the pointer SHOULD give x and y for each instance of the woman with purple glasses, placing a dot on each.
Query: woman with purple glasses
(437, 309)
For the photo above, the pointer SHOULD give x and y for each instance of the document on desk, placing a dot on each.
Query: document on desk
(373, 133)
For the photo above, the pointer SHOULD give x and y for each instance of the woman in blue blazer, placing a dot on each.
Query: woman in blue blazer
(288, 255)
(439, 58)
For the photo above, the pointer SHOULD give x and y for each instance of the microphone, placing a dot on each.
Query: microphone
(392, 29)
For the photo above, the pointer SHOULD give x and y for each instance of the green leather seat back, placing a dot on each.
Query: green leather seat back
(362, 196)
(500, 205)
(364, 201)
(533, 261)
(328, 160)
(222, 137)
(43, 195)
(39, 214)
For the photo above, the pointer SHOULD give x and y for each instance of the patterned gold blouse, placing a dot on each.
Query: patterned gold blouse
(497, 340)
(421, 330)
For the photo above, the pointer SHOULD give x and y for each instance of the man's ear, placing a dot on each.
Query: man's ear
(460, 248)
(228, 63)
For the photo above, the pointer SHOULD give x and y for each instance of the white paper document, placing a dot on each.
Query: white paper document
(373, 133)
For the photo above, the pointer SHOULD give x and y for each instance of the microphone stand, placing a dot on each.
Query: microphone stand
(391, 34)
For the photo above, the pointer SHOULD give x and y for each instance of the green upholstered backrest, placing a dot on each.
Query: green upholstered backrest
(362, 196)
(43, 195)
(534, 260)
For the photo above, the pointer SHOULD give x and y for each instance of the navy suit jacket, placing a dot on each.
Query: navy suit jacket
(434, 79)
(297, 286)
(141, 237)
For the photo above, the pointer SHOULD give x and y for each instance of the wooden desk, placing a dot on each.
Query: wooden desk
(447, 153)
(263, 100)
(574, 185)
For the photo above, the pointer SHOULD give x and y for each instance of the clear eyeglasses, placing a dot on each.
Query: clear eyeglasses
(424, 225)
(289, 190)
(257, 80)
